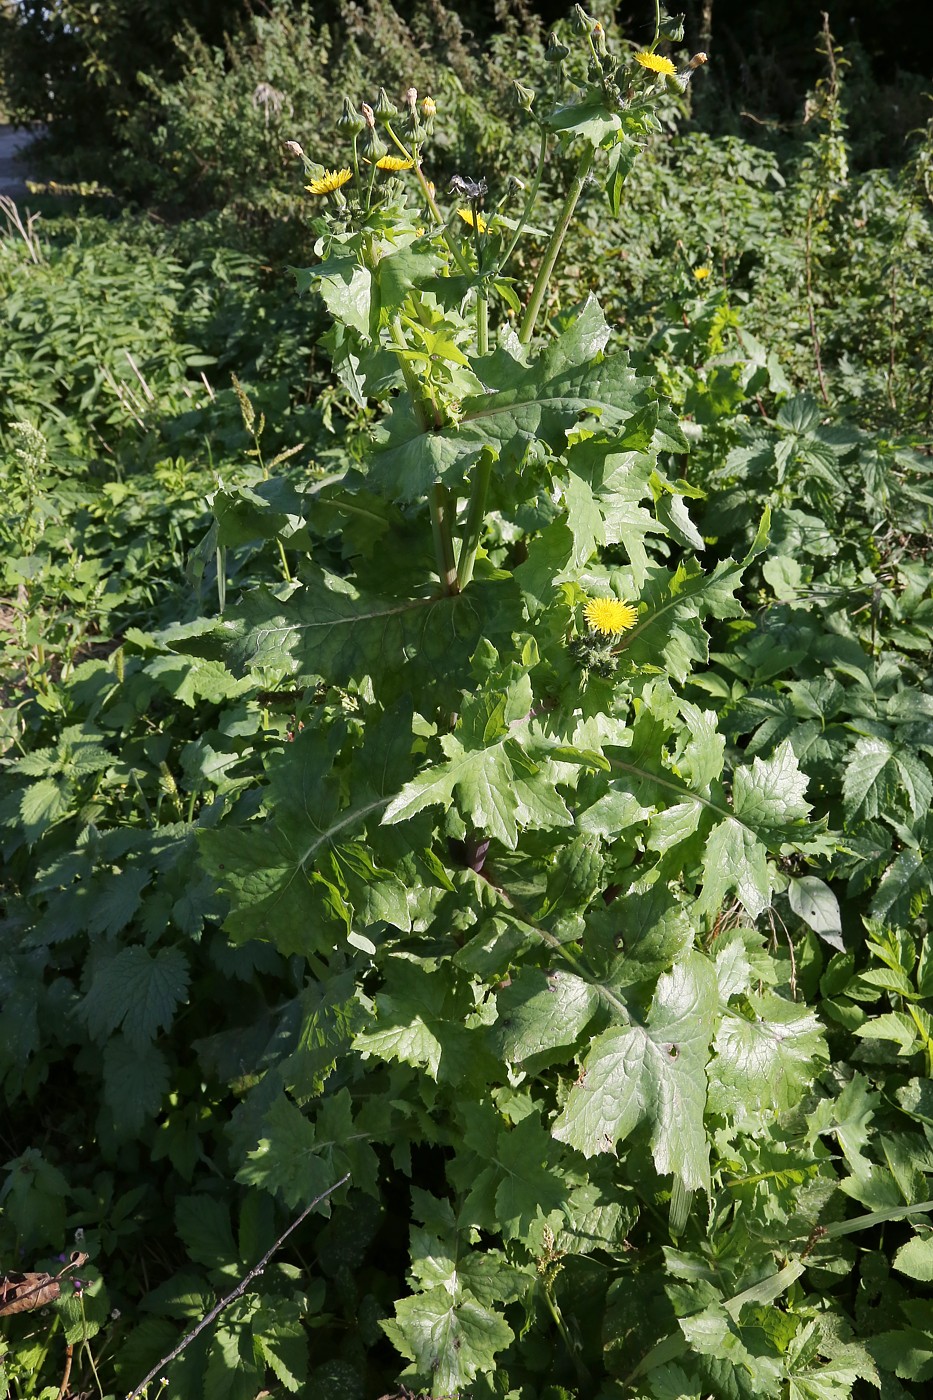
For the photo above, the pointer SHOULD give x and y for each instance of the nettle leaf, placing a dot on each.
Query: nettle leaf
(136, 1078)
(117, 899)
(860, 783)
(135, 989)
(655, 1072)
(204, 1226)
(909, 874)
(42, 804)
(546, 400)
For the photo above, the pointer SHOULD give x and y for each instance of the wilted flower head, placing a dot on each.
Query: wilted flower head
(294, 148)
(470, 189)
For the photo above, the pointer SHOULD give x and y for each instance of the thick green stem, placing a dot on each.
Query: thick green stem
(439, 500)
(482, 323)
(475, 517)
(441, 504)
(552, 253)
(529, 202)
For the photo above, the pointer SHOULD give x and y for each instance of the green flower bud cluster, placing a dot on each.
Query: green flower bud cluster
(372, 146)
(350, 122)
(594, 653)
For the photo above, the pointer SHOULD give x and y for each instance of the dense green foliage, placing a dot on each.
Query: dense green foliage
(339, 839)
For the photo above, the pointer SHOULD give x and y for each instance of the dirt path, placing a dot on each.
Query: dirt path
(13, 169)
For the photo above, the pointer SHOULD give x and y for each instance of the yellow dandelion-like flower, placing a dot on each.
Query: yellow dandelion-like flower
(656, 63)
(701, 273)
(608, 615)
(467, 217)
(394, 163)
(331, 180)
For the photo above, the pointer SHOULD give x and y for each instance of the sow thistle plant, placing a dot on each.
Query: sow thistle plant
(521, 870)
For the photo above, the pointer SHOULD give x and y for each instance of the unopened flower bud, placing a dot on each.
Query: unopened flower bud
(555, 52)
(522, 96)
(350, 120)
(428, 107)
(582, 22)
(384, 109)
(599, 38)
(671, 28)
(372, 146)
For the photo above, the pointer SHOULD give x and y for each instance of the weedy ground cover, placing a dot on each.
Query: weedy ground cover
(515, 799)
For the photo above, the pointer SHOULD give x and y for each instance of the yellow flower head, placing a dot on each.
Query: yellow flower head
(608, 615)
(656, 63)
(701, 273)
(428, 106)
(467, 217)
(331, 180)
(394, 163)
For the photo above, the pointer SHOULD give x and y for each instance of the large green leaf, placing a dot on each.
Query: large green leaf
(546, 400)
(655, 1072)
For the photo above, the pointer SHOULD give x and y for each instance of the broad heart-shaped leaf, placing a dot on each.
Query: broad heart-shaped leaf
(545, 401)
(347, 290)
(655, 1072)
